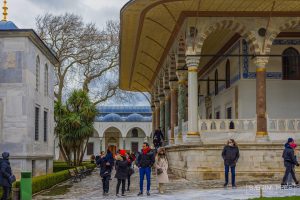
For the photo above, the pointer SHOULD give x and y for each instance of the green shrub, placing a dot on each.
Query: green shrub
(44, 182)
(60, 166)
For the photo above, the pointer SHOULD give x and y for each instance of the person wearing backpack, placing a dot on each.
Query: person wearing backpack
(6, 176)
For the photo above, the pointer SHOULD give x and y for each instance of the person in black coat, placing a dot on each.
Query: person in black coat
(122, 171)
(5, 173)
(105, 162)
(158, 138)
(289, 162)
(230, 156)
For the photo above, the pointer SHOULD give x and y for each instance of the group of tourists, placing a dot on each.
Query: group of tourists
(123, 163)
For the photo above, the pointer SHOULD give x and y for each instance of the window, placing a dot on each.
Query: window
(47, 166)
(45, 126)
(36, 123)
(290, 64)
(208, 87)
(46, 80)
(135, 133)
(33, 167)
(217, 115)
(216, 83)
(228, 74)
(37, 73)
(90, 148)
(229, 113)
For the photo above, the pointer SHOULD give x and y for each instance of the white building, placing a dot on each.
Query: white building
(26, 99)
(120, 127)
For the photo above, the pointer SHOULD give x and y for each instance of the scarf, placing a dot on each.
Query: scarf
(145, 151)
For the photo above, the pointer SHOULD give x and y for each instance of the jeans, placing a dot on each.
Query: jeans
(6, 193)
(123, 185)
(232, 169)
(143, 171)
(289, 169)
(105, 183)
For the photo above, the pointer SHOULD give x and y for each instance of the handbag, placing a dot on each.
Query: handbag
(12, 179)
(159, 171)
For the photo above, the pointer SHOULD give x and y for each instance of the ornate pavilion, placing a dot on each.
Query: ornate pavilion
(216, 69)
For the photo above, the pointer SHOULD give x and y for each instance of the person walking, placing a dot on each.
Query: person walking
(290, 161)
(122, 171)
(158, 138)
(5, 176)
(131, 158)
(145, 161)
(105, 162)
(290, 178)
(161, 168)
(230, 156)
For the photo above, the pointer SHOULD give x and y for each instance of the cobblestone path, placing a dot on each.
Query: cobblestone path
(90, 188)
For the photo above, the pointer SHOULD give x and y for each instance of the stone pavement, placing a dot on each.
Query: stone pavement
(177, 189)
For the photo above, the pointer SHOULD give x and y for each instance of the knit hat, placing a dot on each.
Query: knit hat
(122, 152)
(5, 155)
(290, 140)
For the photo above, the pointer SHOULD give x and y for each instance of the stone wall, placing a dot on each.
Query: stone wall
(204, 162)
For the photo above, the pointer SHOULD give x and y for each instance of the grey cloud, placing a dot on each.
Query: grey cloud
(57, 4)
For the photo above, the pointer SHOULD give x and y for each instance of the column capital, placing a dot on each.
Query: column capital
(167, 94)
(261, 63)
(182, 75)
(156, 103)
(173, 85)
(161, 98)
(192, 61)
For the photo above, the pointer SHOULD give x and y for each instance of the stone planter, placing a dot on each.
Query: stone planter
(16, 194)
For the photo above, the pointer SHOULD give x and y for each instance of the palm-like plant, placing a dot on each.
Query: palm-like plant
(75, 125)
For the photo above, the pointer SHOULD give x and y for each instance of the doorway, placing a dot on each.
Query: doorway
(134, 147)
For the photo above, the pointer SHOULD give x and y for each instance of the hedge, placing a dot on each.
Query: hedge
(60, 166)
(44, 182)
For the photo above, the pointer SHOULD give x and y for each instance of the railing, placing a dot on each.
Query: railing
(221, 125)
(283, 125)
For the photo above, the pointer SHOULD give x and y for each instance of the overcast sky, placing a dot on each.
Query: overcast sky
(24, 12)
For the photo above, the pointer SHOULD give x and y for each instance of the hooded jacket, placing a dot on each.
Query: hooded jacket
(289, 156)
(146, 159)
(5, 173)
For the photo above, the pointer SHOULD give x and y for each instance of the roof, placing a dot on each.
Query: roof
(35, 39)
(149, 28)
(7, 25)
(124, 114)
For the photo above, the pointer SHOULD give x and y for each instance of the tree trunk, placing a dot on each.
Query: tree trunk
(83, 151)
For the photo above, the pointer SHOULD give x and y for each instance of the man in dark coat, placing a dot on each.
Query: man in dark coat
(289, 161)
(145, 161)
(5, 173)
(105, 163)
(230, 156)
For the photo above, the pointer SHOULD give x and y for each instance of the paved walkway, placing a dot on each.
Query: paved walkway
(177, 189)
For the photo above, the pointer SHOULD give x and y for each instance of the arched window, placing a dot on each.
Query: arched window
(37, 73)
(290, 64)
(227, 74)
(216, 82)
(135, 133)
(46, 80)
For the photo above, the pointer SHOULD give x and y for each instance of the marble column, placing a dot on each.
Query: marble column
(182, 78)
(167, 114)
(124, 143)
(153, 118)
(261, 104)
(174, 108)
(193, 134)
(157, 114)
(101, 148)
(162, 114)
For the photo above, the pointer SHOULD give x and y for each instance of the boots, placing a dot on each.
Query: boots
(160, 188)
